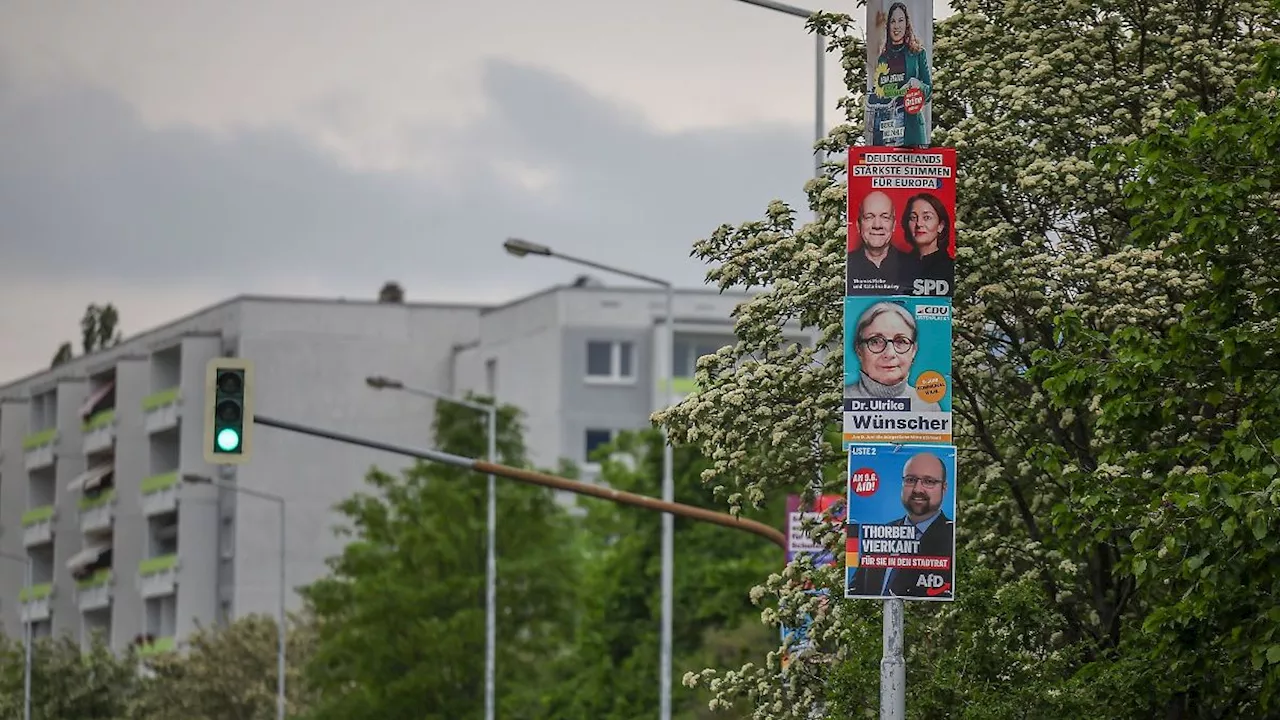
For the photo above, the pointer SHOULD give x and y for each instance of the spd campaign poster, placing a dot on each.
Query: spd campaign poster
(899, 75)
(827, 508)
(897, 370)
(900, 534)
(902, 209)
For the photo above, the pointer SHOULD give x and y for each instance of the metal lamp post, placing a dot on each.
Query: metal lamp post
(26, 637)
(491, 561)
(820, 70)
(522, 248)
(280, 619)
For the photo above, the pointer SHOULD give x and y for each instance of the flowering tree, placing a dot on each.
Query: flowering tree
(1059, 608)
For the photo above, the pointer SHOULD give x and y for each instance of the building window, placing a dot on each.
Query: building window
(595, 438)
(685, 354)
(491, 377)
(611, 361)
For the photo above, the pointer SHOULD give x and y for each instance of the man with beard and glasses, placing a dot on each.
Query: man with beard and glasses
(924, 484)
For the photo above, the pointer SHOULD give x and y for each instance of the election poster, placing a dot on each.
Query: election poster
(897, 370)
(899, 78)
(827, 508)
(902, 209)
(900, 534)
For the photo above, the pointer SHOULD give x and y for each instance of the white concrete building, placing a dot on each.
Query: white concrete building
(92, 452)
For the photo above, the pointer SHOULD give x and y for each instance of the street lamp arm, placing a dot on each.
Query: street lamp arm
(615, 270)
(202, 480)
(538, 478)
(782, 8)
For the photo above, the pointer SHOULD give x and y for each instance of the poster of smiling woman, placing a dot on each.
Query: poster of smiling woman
(897, 370)
(899, 77)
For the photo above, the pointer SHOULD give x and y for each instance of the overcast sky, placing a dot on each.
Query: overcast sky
(163, 156)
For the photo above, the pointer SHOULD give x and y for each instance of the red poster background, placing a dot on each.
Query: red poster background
(861, 185)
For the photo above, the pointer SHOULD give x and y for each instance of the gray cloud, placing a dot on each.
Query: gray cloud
(88, 191)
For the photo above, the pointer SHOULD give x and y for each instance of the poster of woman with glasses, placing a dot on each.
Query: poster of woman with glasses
(900, 534)
(897, 370)
(899, 81)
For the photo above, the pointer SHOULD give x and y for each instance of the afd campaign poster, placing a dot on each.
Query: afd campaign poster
(899, 78)
(901, 234)
(827, 508)
(900, 540)
(897, 370)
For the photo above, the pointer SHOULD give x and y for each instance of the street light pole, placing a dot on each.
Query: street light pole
(280, 618)
(820, 41)
(26, 636)
(522, 248)
(378, 382)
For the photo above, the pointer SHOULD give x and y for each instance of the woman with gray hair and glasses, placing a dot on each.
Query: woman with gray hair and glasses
(885, 343)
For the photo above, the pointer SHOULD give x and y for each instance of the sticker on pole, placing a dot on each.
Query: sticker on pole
(900, 534)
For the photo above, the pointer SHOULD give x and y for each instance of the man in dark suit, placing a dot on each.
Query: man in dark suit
(877, 267)
(924, 484)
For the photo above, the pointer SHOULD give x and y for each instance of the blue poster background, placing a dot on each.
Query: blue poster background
(933, 336)
(885, 506)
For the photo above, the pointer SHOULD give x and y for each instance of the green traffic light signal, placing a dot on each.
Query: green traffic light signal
(228, 410)
(228, 440)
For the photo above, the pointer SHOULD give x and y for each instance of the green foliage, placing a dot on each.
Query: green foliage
(227, 673)
(66, 682)
(400, 620)
(1113, 364)
(611, 671)
(1191, 409)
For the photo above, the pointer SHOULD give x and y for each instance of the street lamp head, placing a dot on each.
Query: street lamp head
(378, 382)
(520, 248)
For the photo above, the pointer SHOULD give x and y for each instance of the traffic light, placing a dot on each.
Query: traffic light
(228, 411)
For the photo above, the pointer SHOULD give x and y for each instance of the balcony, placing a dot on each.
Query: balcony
(37, 449)
(99, 432)
(36, 602)
(158, 576)
(94, 592)
(156, 646)
(37, 526)
(159, 494)
(97, 513)
(160, 410)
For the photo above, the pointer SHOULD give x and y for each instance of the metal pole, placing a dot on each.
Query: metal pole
(379, 382)
(819, 130)
(26, 661)
(280, 630)
(668, 520)
(893, 667)
(521, 248)
(28, 578)
(491, 576)
(280, 619)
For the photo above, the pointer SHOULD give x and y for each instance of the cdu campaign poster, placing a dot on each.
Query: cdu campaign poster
(899, 78)
(902, 209)
(900, 540)
(897, 370)
(828, 508)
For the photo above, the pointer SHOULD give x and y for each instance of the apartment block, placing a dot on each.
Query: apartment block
(93, 456)
(585, 361)
(93, 453)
